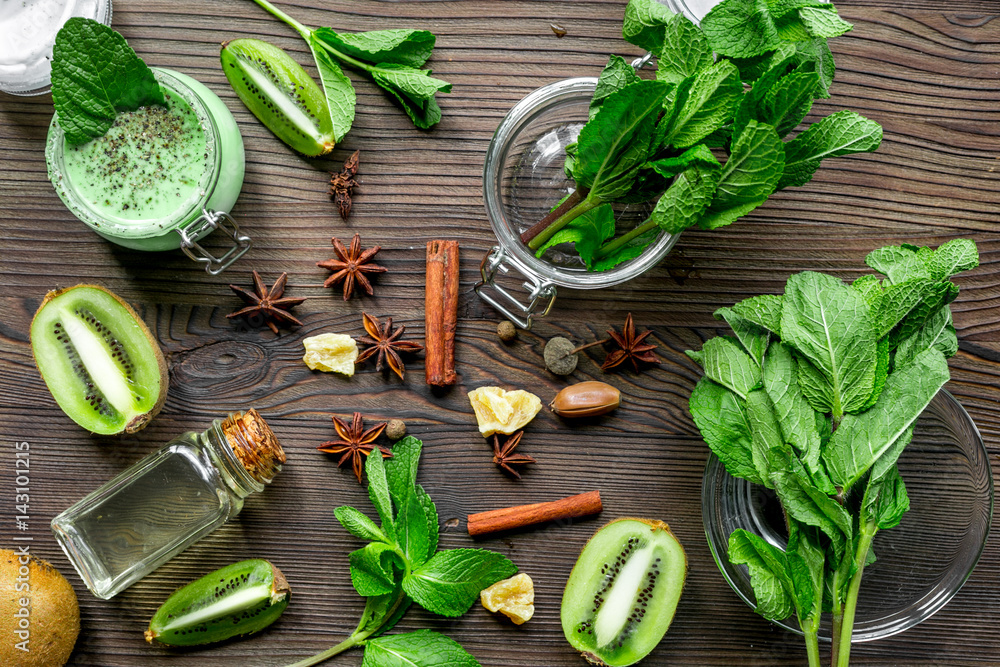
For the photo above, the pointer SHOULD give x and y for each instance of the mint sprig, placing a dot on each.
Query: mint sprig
(401, 565)
(96, 75)
(391, 58)
(818, 393)
(649, 141)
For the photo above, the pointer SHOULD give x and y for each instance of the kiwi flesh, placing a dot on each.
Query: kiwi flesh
(235, 600)
(623, 591)
(280, 94)
(98, 359)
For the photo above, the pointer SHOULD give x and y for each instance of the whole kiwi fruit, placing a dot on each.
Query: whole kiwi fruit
(48, 625)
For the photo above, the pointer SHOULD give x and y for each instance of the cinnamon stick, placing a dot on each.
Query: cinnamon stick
(512, 518)
(441, 312)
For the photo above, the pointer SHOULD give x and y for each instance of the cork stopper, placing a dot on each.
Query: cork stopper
(254, 444)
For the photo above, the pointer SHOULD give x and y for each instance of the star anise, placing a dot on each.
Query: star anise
(355, 443)
(342, 185)
(504, 456)
(385, 342)
(268, 303)
(351, 266)
(630, 347)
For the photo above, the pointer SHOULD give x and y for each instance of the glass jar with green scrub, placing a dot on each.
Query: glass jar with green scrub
(161, 178)
(161, 505)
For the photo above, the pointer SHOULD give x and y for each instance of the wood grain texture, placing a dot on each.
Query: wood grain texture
(930, 73)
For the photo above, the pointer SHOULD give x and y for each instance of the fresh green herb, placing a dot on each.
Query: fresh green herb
(401, 564)
(391, 58)
(96, 75)
(649, 140)
(817, 396)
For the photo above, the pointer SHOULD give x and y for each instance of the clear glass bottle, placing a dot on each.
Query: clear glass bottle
(157, 508)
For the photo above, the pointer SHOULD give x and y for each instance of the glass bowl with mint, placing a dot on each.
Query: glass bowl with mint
(849, 495)
(588, 182)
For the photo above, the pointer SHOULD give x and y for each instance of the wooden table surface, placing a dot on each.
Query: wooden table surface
(931, 77)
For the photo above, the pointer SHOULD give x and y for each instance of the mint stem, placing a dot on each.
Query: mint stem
(868, 531)
(812, 647)
(619, 242)
(563, 220)
(572, 200)
(838, 619)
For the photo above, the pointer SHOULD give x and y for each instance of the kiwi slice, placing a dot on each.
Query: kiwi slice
(98, 359)
(623, 591)
(280, 93)
(235, 600)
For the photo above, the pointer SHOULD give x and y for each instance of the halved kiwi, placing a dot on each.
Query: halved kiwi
(99, 359)
(623, 591)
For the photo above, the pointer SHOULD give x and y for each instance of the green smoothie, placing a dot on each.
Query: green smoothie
(148, 164)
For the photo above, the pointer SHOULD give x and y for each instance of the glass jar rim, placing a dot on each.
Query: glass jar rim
(521, 114)
(54, 154)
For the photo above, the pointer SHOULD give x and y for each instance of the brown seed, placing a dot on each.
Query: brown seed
(396, 429)
(586, 399)
(559, 355)
(507, 331)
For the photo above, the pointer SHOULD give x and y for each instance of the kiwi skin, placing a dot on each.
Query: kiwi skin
(140, 421)
(585, 576)
(54, 613)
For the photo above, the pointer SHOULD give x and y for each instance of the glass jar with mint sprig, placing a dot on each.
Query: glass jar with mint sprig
(589, 182)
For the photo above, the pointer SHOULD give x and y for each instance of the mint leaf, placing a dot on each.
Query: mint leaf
(898, 263)
(380, 615)
(337, 88)
(795, 416)
(861, 439)
(752, 337)
(896, 301)
(721, 416)
(806, 561)
(885, 500)
(401, 470)
(371, 569)
(842, 133)
(881, 372)
(431, 517)
(697, 156)
(828, 323)
(937, 333)
(402, 47)
(617, 74)
(423, 648)
(753, 169)
(763, 310)
(451, 581)
(617, 140)
(870, 287)
(684, 53)
(765, 433)
(768, 573)
(741, 28)
(788, 102)
(629, 251)
(711, 101)
(806, 503)
(644, 24)
(358, 524)
(686, 199)
(378, 491)
(95, 75)
(728, 365)
(414, 89)
(953, 257)
(823, 22)
(587, 232)
(413, 532)
(818, 52)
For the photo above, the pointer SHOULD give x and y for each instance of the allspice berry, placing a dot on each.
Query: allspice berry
(395, 429)
(560, 356)
(507, 331)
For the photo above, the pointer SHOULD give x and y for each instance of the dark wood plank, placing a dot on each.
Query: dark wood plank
(928, 73)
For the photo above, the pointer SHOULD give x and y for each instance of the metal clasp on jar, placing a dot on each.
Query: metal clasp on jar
(508, 304)
(205, 223)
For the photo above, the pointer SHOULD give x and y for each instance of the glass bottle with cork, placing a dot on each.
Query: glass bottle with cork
(161, 505)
